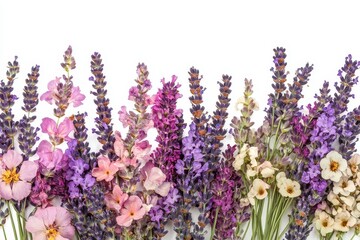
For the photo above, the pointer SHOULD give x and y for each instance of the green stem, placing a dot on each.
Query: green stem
(214, 225)
(20, 228)
(246, 230)
(3, 228)
(12, 220)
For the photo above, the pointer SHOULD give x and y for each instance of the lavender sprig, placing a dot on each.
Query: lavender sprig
(104, 127)
(349, 135)
(168, 120)
(343, 91)
(86, 196)
(64, 90)
(7, 124)
(28, 134)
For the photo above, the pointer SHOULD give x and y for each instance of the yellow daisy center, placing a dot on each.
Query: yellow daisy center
(334, 166)
(51, 233)
(10, 176)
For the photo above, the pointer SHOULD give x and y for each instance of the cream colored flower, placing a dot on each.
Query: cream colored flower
(266, 169)
(253, 154)
(240, 158)
(333, 198)
(344, 221)
(349, 201)
(250, 172)
(353, 165)
(258, 190)
(280, 177)
(333, 165)
(238, 162)
(289, 188)
(241, 102)
(356, 211)
(324, 223)
(244, 202)
(344, 187)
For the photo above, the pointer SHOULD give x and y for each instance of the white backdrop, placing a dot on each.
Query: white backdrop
(232, 37)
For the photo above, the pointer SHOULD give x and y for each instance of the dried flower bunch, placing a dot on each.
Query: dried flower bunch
(300, 165)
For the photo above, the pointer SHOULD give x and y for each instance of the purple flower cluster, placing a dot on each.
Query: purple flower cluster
(104, 127)
(7, 99)
(168, 120)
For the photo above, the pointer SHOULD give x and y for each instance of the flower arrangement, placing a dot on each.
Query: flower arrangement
(300, 166)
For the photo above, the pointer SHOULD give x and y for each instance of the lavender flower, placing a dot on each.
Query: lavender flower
(28, 134)
(64, 90)
(169, 123)
(7, 124)
(104, 127)
(86, 196)
(348, 137)
(189, 169)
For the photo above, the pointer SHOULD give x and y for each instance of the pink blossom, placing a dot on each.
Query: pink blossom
(16, 184)
(105, 170)
(132, 210)
(51, 223)
(76, 97)
(116, 199)
(155, 180)
(141, 151)
(50, 95)
(120, 150)
(124, 117)
(51, 159)
(57, 133)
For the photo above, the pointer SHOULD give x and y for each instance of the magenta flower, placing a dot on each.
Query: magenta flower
(57, 133)
(155, 180)
(133, 210)
(52, 93)
(116, 199)
(76, 97)
(52, 223)
(16, 184)
(50, 158)
(105, 170)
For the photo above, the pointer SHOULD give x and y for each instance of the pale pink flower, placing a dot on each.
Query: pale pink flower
(16, 184)
(56, 133)
(116, 199)
(123, 154)
(132, 210)
(141, 151)
(155, 180)
(124, 117)
(51, 223)
(50, 95)
(105, 170)
(51, 159)
(333, 166)
(76, 97)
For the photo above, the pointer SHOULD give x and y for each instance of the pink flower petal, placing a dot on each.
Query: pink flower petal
(5, 191)
(12, 159)
(48, 215)
(124, 220)
(48, 126)
(76, 97)
(28, 170)
(39, 236)
(65, 127)
(47, 96)
(63, 217)
(21, 190)
(163, 189)
(139, 214)
(59, 237)
(35, 224)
